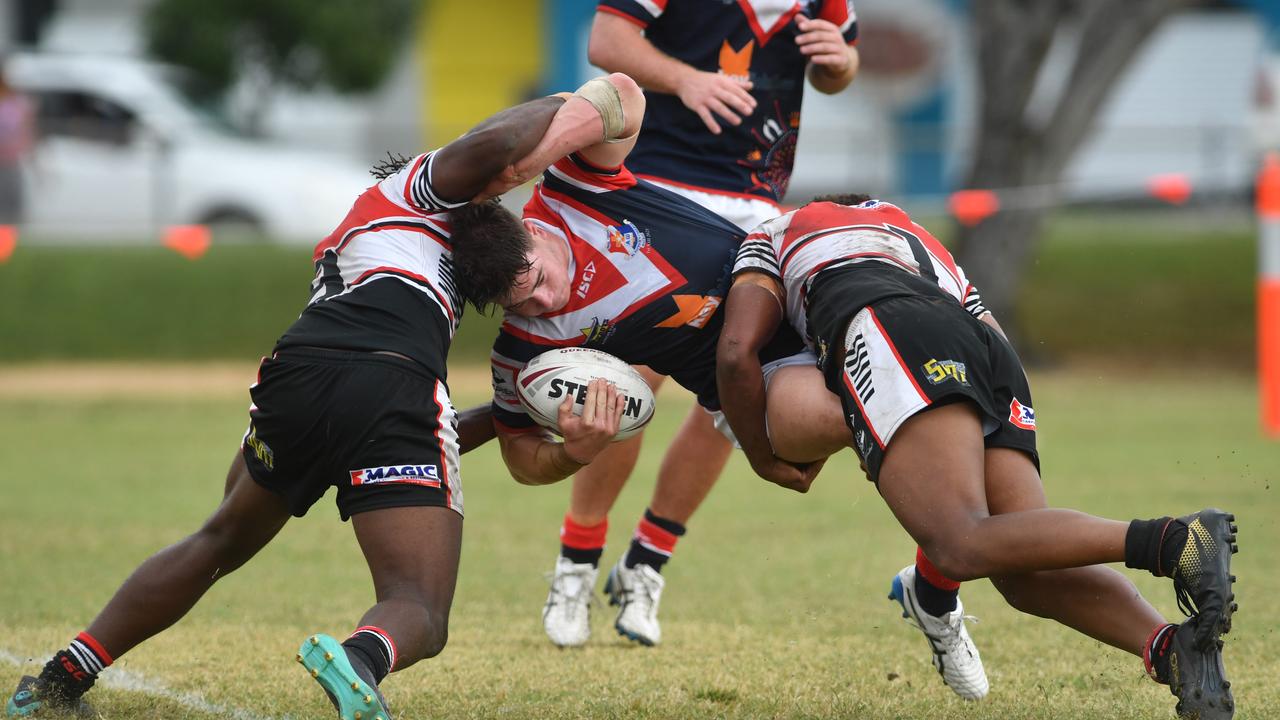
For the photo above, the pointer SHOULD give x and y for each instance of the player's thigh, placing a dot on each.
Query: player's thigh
(248, 517)
(805, 419)
(1013, 482)
(412, 552)
(932, 476)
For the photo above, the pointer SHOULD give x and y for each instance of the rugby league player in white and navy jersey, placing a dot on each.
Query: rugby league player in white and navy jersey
(354, 396)
(940, 412)
(620, 265)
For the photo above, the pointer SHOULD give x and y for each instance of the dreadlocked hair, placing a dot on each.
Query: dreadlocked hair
(384, 169)
(490, 248)
(843, 198)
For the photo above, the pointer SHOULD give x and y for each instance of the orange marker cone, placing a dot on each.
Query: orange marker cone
(971, 207)
(189, 241)
(1174, 188)
(8, 242)
(1268, 205)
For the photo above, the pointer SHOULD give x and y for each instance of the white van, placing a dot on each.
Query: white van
(122, 153)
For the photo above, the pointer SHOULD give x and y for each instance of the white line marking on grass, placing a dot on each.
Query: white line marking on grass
(120, 679)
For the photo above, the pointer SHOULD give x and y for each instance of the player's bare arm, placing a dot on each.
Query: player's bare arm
(465, 167)
(618, 45)
(537, 459)
(475, 427)
(832, 61)
(600, 121)
(753, 312)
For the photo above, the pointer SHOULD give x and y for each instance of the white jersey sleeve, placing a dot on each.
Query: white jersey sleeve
(411, 187)
(757, 254)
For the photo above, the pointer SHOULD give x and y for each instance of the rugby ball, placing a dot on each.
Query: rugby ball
(549, 378)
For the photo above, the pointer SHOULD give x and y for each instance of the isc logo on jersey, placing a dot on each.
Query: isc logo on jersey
(428, 475)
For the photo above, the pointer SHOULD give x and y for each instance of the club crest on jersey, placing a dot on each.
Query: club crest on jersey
(940, 371)
(1022, 415)
(428, 475)
(626, 238)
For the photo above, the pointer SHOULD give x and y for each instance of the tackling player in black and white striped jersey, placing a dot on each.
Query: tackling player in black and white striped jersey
(355, 396)
(940, 412)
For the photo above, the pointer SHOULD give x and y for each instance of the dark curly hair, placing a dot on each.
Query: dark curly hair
(843, 198)
(490, 248)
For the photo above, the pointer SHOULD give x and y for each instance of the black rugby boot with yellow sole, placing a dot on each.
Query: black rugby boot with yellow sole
(1202, 575)
(1197, 677)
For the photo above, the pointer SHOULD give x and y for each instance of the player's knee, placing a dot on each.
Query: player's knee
(1019, 592)
(958, 560)
(436, 635)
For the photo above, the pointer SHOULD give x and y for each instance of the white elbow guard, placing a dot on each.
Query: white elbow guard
(604, 97)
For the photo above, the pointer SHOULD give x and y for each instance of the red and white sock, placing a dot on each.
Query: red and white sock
(654, 541)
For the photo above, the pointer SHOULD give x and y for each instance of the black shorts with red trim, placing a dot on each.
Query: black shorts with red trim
(380, 428)
(905, 355)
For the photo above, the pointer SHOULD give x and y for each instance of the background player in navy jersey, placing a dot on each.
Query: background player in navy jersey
(724, 82)
(354, 396)
(941, 415)
(683, 148)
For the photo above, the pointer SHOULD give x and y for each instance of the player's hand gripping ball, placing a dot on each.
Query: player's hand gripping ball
(565, 372)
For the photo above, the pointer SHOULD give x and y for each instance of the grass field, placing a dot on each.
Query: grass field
(775, 604)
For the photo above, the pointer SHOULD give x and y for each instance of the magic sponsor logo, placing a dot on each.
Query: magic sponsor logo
(1022, 416)
(626, 238)
(428, 475)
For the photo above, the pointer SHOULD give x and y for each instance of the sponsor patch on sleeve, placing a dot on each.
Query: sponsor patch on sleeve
(1022, 416)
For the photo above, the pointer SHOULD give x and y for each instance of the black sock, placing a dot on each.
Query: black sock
(654, 541)
(369, 648)
(1154, 545)
(1156, 654)
(933, 599)
(580, 556)
(1172, 545)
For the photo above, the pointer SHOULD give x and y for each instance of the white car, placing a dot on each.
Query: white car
(122, 154)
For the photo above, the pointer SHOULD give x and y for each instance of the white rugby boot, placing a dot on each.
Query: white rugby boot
(637, 592)
(567, 614)
(954, 654)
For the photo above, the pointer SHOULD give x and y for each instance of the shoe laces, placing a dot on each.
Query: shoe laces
(949, 632)
(642, 590)
(556, 581)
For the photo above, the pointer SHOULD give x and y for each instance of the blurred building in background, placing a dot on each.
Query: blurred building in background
(123, 143)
